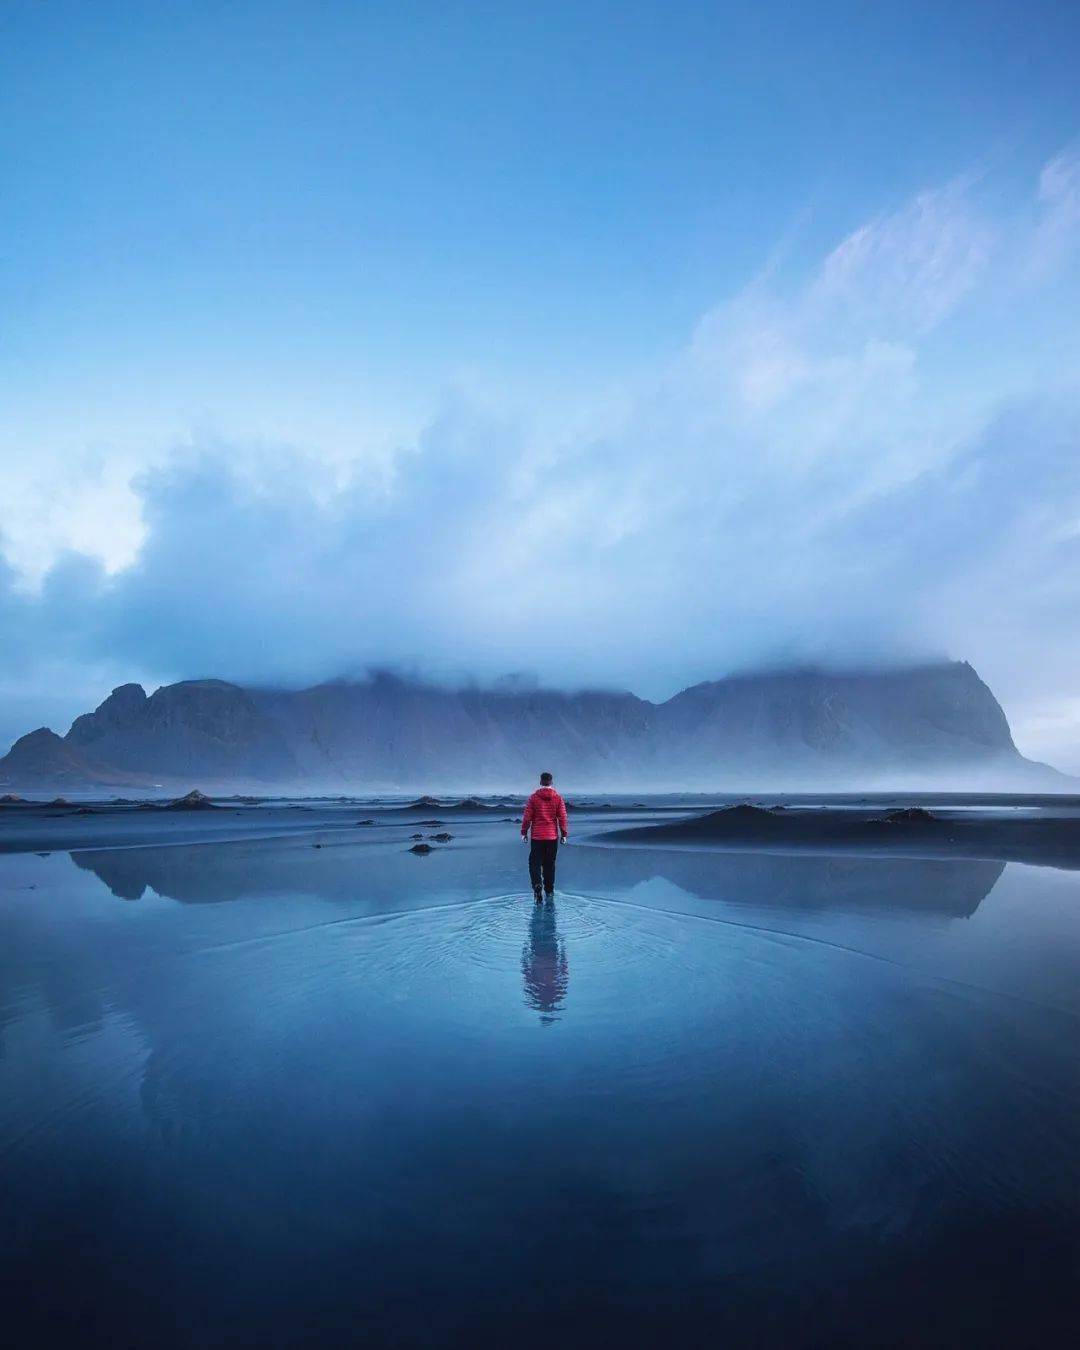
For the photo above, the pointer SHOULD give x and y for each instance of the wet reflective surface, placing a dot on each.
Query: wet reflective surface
(263, 1094)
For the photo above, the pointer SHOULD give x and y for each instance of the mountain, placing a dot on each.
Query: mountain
(43, 756)
(811, 728)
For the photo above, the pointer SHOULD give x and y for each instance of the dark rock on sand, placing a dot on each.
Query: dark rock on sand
(443, 837)
(365, 822)
(471, 804)
(416, 836)
(193, 801)
(1051, 839)
(421, 849)
(744, 814)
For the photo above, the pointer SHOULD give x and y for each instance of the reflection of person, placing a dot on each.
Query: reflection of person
(543, 965)
(545, 814)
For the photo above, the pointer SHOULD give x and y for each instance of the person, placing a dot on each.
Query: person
(545, 815)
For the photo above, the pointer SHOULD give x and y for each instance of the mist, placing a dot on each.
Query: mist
(828, 473)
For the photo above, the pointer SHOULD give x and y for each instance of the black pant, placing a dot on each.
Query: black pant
(542, 860)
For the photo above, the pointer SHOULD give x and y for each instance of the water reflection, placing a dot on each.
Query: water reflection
(952, 887)
(209, 873)
(544, 966)
(380, 872)
(778, 1133)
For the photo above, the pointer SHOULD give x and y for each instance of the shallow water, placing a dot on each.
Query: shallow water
(262, 1094)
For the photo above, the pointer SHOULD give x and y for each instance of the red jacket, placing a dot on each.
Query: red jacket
(545, 811)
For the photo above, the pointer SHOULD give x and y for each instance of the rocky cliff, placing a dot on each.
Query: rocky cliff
(791, 729)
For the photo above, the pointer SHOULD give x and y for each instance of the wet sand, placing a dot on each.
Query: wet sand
(35, 826)
(1032, 828)
(304, 1079)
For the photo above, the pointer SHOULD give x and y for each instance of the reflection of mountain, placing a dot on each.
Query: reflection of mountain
(196, 874)
(208, 873)
(543, 964)
(810, 881)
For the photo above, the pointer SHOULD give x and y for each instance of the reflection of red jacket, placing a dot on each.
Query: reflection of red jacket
(545, 811)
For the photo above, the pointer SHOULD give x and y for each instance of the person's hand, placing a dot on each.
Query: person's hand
(563, 839)
(524, 838)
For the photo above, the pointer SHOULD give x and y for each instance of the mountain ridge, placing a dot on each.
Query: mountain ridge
(386, 731)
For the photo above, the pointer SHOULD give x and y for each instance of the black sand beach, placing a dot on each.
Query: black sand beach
(1037, 831)
(1037, 828)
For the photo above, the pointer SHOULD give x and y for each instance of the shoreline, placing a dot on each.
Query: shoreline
(1006, 828)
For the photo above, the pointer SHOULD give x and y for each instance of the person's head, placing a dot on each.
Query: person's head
(546, 780)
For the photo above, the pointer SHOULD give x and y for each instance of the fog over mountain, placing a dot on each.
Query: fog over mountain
(928, 725)
(831, 471)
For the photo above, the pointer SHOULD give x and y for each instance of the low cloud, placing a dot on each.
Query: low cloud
(798, 485)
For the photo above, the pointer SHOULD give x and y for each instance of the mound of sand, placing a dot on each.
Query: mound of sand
(193, 801)
(1050, 839)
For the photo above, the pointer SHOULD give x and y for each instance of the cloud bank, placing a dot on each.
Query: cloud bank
(878, 462)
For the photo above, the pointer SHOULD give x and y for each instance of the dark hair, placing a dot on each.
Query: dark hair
(546, 780)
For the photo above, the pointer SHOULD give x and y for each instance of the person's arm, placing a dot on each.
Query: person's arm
(526, 818)
(564, 828)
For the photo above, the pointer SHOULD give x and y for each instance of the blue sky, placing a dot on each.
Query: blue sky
(680, 297)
